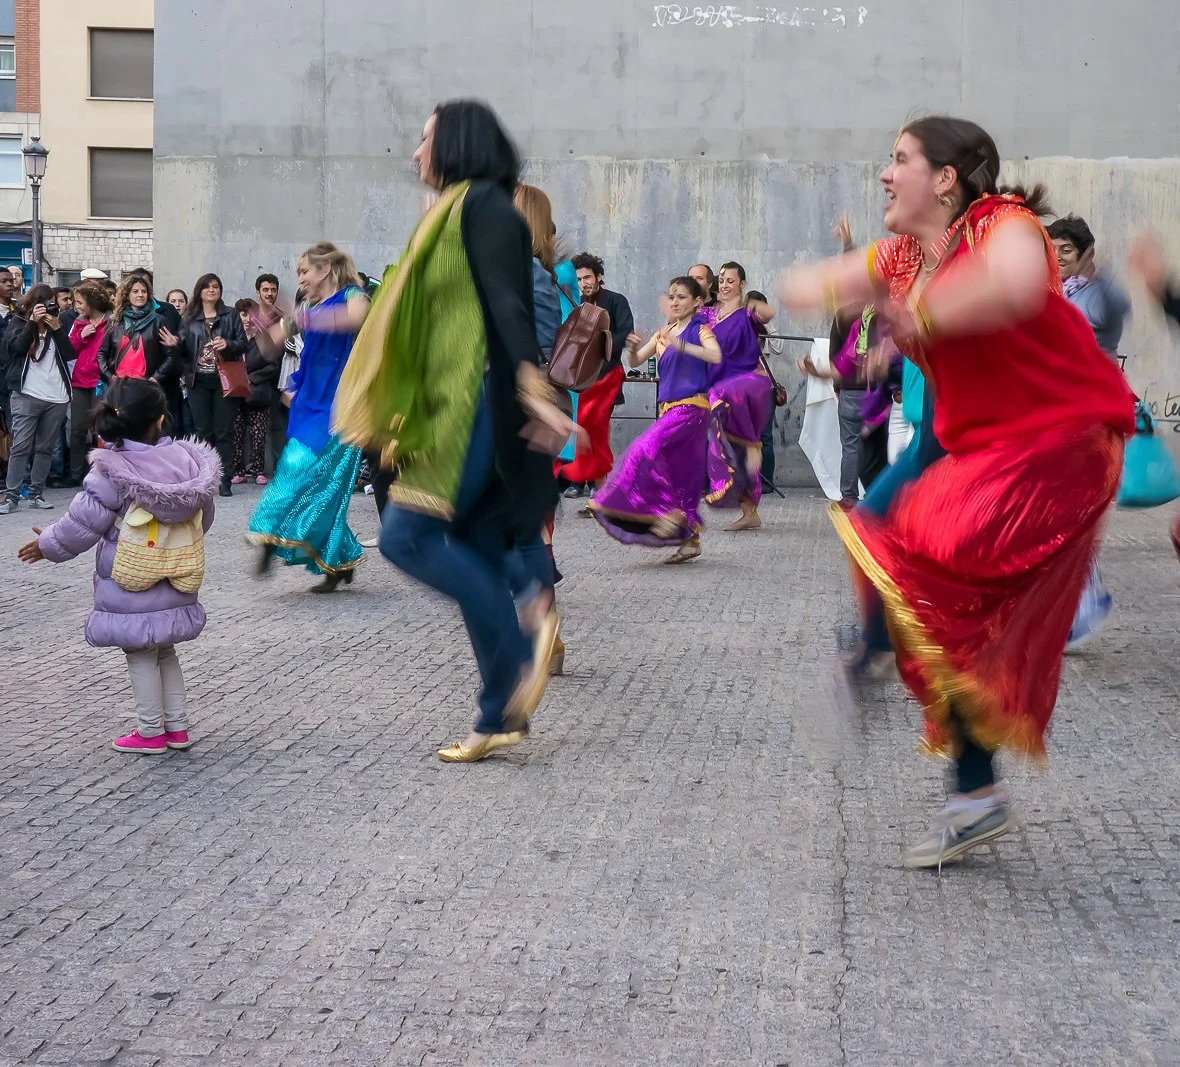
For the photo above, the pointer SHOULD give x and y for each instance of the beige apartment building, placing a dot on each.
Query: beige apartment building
(84, 82)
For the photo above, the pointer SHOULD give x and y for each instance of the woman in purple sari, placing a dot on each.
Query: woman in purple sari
(740, 397)
(653, 496)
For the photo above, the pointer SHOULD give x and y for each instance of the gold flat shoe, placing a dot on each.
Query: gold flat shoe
(457, 752)
(557, 659)
(514, 737)
(531, 687)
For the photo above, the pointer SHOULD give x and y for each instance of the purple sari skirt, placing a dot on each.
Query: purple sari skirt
(661, 478)
(740, 408)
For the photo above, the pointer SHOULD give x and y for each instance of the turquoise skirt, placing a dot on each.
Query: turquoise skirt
(303, 513)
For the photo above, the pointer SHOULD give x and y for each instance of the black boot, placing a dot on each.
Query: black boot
(264, 561)
(328, 585)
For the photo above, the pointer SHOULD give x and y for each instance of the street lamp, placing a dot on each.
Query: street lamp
(36, 155)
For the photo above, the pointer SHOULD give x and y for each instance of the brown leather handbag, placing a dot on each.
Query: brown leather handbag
(235, 382)
(582, 347)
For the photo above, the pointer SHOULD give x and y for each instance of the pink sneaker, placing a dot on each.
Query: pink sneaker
(148, 746)
(237, 479)
(177, 739)
(260, 480)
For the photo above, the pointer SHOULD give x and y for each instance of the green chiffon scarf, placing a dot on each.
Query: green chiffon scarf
(412, 382)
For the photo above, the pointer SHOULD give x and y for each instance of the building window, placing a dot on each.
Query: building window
(121, 183)
(121, 64)
(7, 74)
(12, 163)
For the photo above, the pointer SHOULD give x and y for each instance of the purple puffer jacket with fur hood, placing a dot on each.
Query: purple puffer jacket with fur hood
(171, 479)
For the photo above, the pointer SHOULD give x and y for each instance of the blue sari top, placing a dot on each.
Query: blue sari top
(314, 383)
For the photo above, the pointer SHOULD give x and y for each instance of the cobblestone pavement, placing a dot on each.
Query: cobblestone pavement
(692, 862)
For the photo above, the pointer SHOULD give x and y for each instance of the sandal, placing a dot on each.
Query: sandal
(688, 550)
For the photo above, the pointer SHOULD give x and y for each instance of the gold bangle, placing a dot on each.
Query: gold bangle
(871, 260)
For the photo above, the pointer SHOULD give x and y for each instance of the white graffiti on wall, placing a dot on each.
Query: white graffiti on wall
(729, 16)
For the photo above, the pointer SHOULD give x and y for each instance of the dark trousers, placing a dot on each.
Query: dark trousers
(975, 766)
(213, 419)
(381, 479)
(81, 402)
(179, 414)
(470, 569)
(768, 448)
(863, 457)
(253, 423)
(279, 415)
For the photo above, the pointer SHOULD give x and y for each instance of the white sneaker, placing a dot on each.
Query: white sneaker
(959, 827)
(369, 542)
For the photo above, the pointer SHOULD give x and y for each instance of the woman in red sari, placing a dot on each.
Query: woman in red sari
(981, 561)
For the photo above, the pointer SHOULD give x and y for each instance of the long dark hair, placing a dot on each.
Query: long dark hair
(39, 294)
(471, 145)
(130, 410)
(968, 149)
(196, 309)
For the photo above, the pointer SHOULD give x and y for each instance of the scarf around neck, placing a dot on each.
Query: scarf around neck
(138, 320)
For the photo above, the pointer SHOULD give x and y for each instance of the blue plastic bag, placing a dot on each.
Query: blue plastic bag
(1149, 472)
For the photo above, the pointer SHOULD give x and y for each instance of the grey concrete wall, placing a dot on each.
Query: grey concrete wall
(665, 134)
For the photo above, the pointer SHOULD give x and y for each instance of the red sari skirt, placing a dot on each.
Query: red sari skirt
(980, 564)
(595, 407)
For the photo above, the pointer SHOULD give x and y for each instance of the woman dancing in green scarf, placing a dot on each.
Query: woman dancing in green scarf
(444, 383)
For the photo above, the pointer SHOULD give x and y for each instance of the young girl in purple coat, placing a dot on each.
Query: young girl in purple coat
(173, 480)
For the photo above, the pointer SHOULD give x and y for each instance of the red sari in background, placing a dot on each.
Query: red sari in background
(981, 561)
(595, 407)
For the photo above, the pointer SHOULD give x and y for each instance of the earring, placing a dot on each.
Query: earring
(945, 200)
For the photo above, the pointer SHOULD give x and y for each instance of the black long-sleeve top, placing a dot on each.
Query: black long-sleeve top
(500, 254)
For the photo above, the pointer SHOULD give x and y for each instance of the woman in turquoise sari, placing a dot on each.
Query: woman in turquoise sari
(302, 517)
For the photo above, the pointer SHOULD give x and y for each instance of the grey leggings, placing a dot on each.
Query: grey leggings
(158, 686)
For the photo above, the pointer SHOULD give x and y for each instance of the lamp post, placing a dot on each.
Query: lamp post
(36, 155)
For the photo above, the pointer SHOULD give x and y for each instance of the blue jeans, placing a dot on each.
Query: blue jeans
(472, 570)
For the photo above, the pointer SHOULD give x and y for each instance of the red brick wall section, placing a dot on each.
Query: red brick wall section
(28, 56)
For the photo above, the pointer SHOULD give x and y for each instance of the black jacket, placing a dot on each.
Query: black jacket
(228, 324)
(500, 255)
(263, 374)
(163, 362)
(16, 350)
